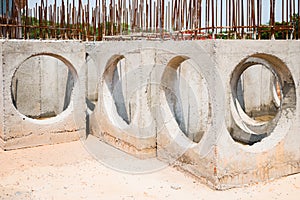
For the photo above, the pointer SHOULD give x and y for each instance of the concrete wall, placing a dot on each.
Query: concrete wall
(188, 90)
(92, 79)
(129, 84)
(271, 153)
(177, 101)
(54, 86)
(1, 100)
(256, 92)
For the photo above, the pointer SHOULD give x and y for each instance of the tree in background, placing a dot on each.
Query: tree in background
(282, 34)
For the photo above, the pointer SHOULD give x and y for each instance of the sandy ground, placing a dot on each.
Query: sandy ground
(68, 171)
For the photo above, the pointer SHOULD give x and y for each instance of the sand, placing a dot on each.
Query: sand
(68, 171)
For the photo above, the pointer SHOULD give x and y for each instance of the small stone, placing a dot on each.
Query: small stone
(18, 193)
(175, 187)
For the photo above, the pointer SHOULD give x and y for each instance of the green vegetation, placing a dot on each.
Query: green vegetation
(282, 34)
(36, 29)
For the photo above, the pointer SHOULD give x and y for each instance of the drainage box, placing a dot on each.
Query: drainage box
(43, 93)
(225, 111)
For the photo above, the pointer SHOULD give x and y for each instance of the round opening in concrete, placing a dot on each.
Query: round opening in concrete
(258, 93)
(187, 97)
(42, 86)
(115, 87)
(263, 96)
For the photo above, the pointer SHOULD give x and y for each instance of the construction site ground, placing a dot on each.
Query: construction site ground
(68, 171)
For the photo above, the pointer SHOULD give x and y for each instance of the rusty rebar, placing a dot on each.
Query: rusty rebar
(189, 19)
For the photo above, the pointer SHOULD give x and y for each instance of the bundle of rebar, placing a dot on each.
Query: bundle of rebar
(149, 19)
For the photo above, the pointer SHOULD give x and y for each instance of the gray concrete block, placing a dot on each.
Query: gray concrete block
(200, 99)
(18, 129)
(178, 101)
(273, 156)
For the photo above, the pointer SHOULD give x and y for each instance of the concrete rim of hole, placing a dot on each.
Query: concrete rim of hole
(258, 134)
(166, 84)
(69, 108)
(108, 99)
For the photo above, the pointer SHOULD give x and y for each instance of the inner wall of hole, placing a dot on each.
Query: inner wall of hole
(255, 92)
(188, 99)
(42, 87)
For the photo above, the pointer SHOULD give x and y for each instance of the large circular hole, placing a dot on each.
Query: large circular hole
(263, 95)
(116, 82)
(41, 87)
(259, 93)
(187, 97)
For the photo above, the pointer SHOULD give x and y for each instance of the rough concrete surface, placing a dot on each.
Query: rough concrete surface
(175, 101)
(152, 100)
(69, 172)
(18, 129)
